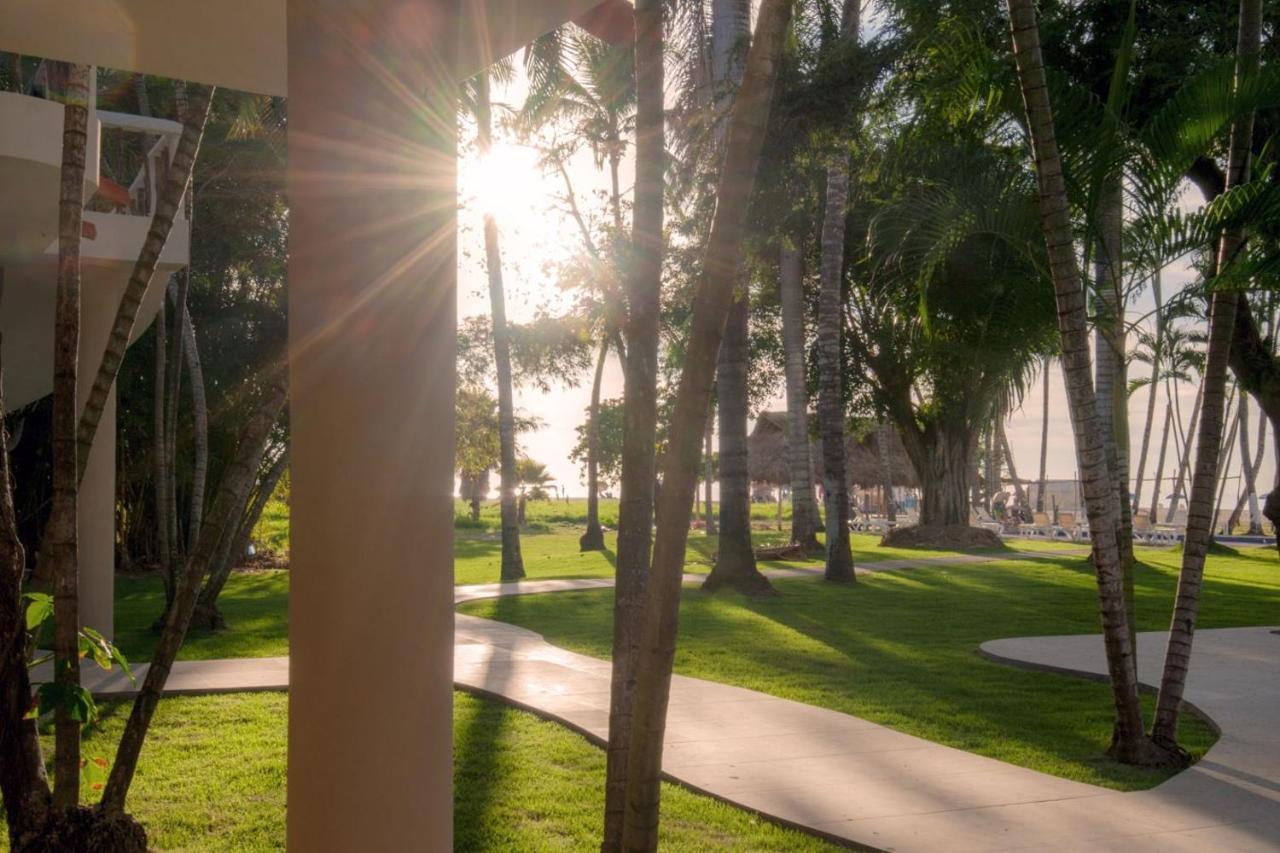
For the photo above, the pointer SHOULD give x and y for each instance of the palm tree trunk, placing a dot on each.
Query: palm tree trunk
(884, 436)
(173, 389)
(24, 786)
(1249, 470)
(1042, 482)
(1129, 743)
(1226, 455)
(170, 198)
(233, 544)
(593, 538)
(160, 453)
(640, 418)
(745, 139)
(804, 509)
(708, 477)
(200, 433)
(60, 541)
(1164, 446)
(236, 482)
(735, 564)
(831, 411)
(1153, 386)
(512, 561)
(1222, 314)
(1185, 463)
(1020, 494)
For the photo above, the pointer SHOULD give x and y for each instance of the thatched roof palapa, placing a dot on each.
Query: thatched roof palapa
(768, 460)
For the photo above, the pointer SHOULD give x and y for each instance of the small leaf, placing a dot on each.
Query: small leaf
(39, 609)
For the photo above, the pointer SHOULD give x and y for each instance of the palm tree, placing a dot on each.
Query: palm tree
(640, 425)
(1042, 482)
(831, 411)
(1130, 742)
(60, 533)
(804, 508)
(591, 84)
(735, 564)
(1222, 319)
(711, 305)
(1153, 356)
(512, 562)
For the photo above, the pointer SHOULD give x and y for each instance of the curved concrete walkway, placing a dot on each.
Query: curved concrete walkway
(865, 784)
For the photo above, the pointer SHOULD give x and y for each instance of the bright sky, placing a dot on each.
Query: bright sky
(535, 233)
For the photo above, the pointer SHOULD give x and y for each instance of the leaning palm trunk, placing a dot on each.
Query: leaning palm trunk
(1249, 470)
(1042, 481)
(1184, 462)
(60, 541)
(593, 538)
(1130, 742)
(804, 509)
(1153, 386)
(1006, 451)
(735, 564)
(1222, 319)
(1164, 447)
(512, 562)
(747, 121)
(175, 184)
(234, 544)
(236, 482)
(640, 418)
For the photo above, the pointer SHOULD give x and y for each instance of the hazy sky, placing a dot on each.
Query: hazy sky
(535, 233)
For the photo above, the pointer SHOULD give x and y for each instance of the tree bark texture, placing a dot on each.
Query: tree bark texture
(1222, 314)
(735, 564)
(1130, 743)
(593, 538)
(712, 299)
(640, 419)
(804, 507)
(60, 541)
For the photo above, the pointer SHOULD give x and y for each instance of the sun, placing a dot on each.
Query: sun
(505, 183)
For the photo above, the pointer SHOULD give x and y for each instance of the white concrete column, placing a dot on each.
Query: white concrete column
(97, 528)
(372, 278)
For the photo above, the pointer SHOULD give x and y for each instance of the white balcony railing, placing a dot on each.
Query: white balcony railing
(144, 189)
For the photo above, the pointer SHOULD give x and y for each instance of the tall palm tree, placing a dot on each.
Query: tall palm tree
(1130, 742)
(831, 411)
(748, 119)
(512, 562)
(640, 424)
(1222, 318)
(60, 541)
(590, 84)
(735, 564)
(804, 508)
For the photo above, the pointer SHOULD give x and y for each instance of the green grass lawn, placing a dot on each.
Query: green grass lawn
(212, 777)
(900, 648)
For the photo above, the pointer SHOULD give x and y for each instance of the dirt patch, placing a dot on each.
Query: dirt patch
(955, 537)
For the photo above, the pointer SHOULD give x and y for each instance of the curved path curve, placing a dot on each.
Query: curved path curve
(866, 785)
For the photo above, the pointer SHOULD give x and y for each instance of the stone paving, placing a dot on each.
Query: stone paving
(861, 783)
